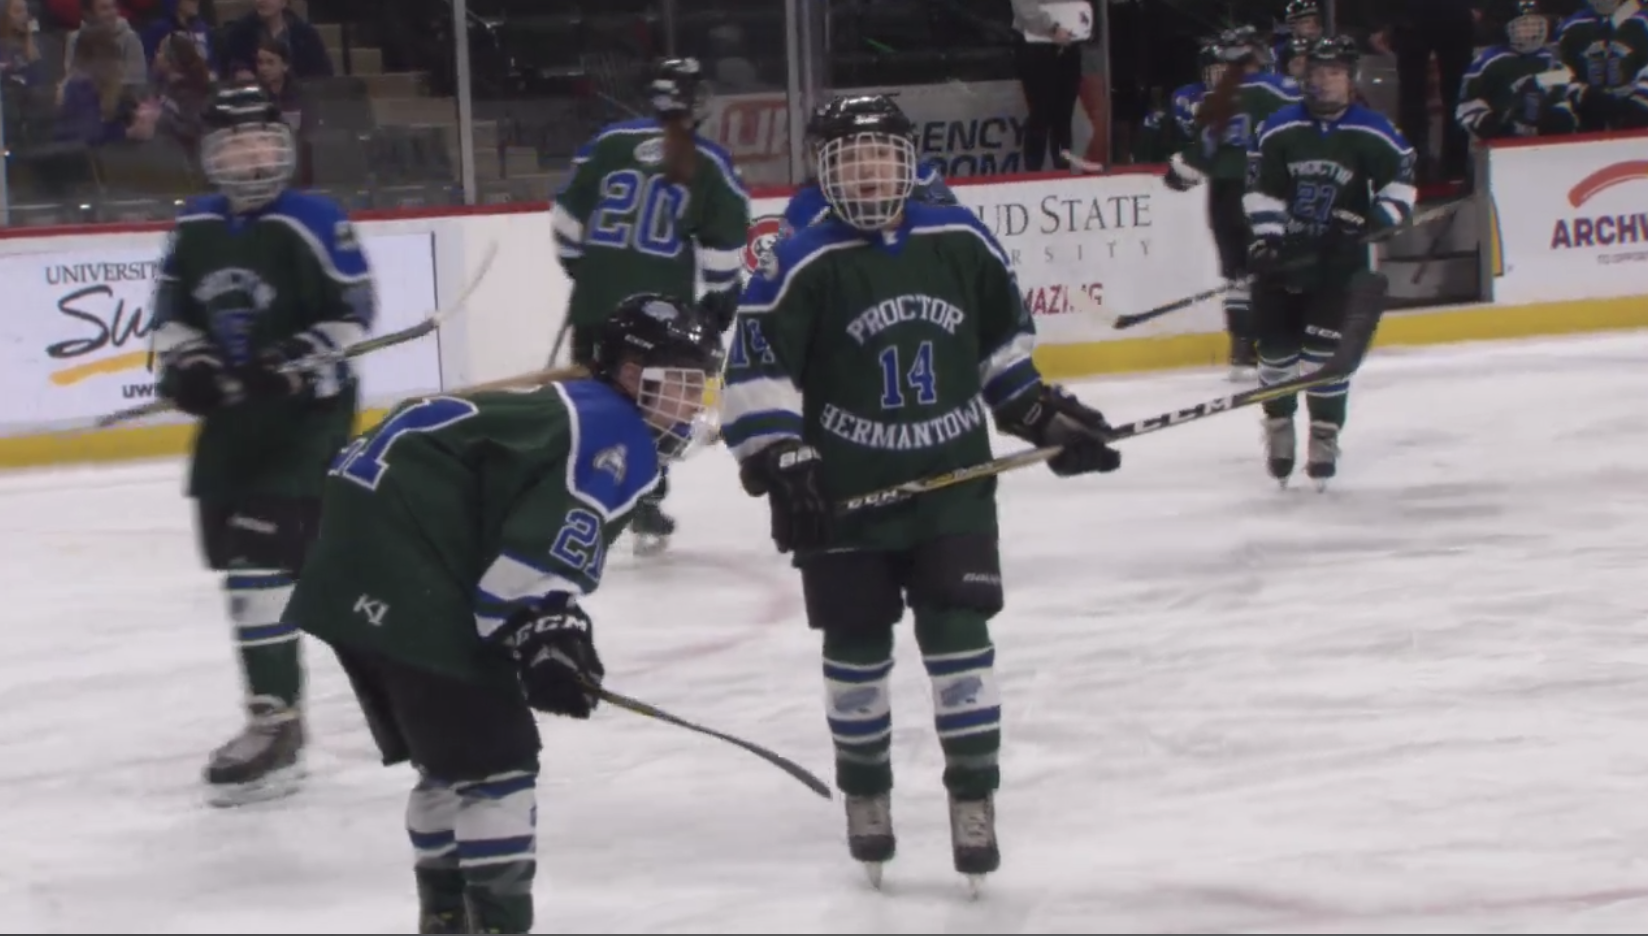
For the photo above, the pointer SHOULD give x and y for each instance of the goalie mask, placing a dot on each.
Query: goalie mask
(248, 152)
(866, 161)
(669, 350)
(1330, 76)
(1529, 30)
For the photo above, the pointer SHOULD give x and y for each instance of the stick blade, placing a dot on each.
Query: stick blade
(1365, 303)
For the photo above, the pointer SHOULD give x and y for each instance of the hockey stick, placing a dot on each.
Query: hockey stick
(1434, 248)
(782, 763)
(1355, 336)
(1082, 165)
(560, 339)
(410, 333)
(1419, 218)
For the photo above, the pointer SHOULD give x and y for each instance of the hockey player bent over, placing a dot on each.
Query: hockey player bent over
(457, 540)
(1221, 133)
(870, 351)
(651, 206)
(256, 280)
(1324, 173)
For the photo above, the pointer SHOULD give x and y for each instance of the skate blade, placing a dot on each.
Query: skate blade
(872, 871)
(648, 544)
(975, 885)
(1243, 374)
(278, 784)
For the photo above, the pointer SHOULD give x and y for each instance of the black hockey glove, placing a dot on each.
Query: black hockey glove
(555, 649)
(264, 377)
(1264, 255)
(1057, 418)
(199, 381)
(788, 474)
(1181, 177)
(1346, 226)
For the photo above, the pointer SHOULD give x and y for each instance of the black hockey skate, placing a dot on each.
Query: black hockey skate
(1322, 453)
(263, 762)
(1244, 359)
(442, 923)
(973, 839)
(1281, 447)
(651, 527)
(870, 836)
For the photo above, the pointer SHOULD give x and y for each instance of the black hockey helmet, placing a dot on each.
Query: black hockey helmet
(1207, 60)
(677, 350)
(248, 152)
(678, 89)
(1336, 50)
(1323, 95)
(1240, 45)
(1299, 11)
(1529, 30)
(866, 160)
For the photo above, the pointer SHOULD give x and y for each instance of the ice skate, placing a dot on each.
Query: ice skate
(870, 833)
(973, 839)
(1244, 360)
(442, 923)
(263, 762)
(1322, 453)
(1281, 447)
(652, 528)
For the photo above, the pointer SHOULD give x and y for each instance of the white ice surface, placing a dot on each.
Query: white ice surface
(1418, 703)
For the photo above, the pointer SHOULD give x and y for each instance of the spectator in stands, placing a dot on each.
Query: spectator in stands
(274, 73)
(95, 103)
(71, 14)
(238, 48)
(1413, 31)
(181, 16)
(183, 83)
(1049, 70)
(106, 15)
(19, 53)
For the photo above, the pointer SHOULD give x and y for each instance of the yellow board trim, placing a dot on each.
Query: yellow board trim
(1057, 362)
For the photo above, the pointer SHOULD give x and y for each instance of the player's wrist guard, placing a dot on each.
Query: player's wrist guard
(554, 646)
(1054, 417)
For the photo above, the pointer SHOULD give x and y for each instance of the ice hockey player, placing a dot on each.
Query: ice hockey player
(1518, 89)
(1605, 47)
(1296, 56)
(652, 206)
(457, 542)
(808, 206)
(256, 281)
(919, 299)
(1302, 24)
(1325, 172)
(1228, 114)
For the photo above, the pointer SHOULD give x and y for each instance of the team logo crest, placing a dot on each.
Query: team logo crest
(765, 233)
(650, 152)
(613, 461)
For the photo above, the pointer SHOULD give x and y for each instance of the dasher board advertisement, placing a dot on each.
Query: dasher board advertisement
(74, 343)
(1570, 220)
(1126, 240)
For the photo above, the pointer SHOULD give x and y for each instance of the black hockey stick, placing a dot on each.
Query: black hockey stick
(777, 760)
(410, 333)
(1355, 336)
(1419, 218)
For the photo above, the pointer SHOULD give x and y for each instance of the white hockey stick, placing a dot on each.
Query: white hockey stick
(434, 321)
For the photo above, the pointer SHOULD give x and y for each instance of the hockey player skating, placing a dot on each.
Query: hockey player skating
(871, 352)
(652, 206)
(255, 279)
(1519, 88)
(456, 543)
(1225, 118)
(808, 206)
(1325, 173)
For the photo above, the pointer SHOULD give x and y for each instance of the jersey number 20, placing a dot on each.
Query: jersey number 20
(638, 211)
(366, 459)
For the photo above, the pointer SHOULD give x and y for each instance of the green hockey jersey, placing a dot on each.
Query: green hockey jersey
(1609, 54)
(622, 227)
(887, 353)
(454, 513)
(241, 283)
(1515, 94)
(1304, 170)
(1224, 155)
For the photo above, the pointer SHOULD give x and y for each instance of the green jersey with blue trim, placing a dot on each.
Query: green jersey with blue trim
(456, 512)
(888, 353)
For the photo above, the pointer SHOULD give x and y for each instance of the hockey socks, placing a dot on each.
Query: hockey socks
(475, 852)
(859, 709)
(269, 649)
(1325, 404)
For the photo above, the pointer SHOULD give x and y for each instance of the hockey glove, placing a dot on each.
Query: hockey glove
(1346, 226)
(788, 474)
(1057, 418)
(198, 381)
(555, 649)
(1264, 255)
(1181, 176)
(265, 377)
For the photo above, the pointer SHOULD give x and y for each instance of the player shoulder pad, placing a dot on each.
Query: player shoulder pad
(322, 224)
(805, 208)
(930, 171)
(1579, 17)
(613, 458)
(792, 255)
(1282, 118)
(1486, 57)
(933, 219)
(1366, 119)
(210, 207)
(723, 163)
